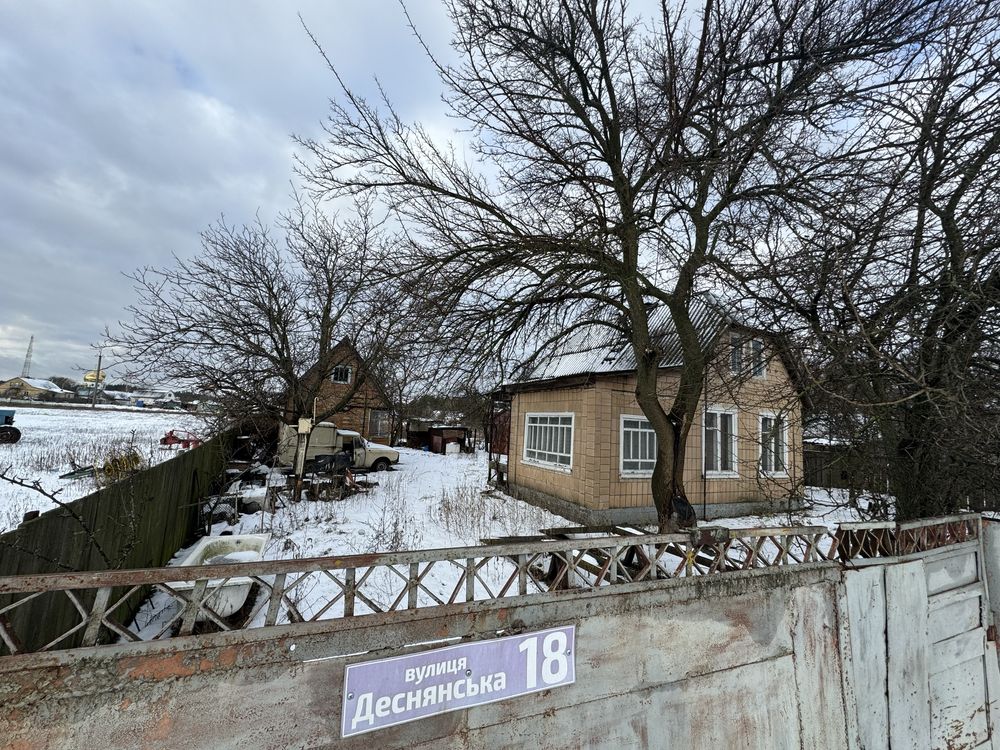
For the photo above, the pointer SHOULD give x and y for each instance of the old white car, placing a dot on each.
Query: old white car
(326, 439)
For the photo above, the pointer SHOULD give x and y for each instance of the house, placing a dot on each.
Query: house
(580, 446)
(369, 411)
(32, 388)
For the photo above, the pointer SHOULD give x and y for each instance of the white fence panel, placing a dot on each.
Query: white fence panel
(866, 615)
(906, 633)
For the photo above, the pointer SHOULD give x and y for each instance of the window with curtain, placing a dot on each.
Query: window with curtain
(773, 444)
(720, 442)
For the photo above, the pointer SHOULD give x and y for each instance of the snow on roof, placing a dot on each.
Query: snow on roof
(599, 349)
(44, 385)
(351, 433)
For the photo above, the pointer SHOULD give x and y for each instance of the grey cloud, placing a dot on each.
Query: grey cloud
(126, 128)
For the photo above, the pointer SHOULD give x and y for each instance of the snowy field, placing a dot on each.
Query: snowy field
(53, 439)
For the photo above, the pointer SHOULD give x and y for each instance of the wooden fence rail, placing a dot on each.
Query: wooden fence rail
(186, 597)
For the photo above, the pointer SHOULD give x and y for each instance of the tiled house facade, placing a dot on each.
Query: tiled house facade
(581, 446)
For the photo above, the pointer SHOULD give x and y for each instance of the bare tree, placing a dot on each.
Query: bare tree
(612, 157)
(256, 322)
(126, 521)
(894, 288)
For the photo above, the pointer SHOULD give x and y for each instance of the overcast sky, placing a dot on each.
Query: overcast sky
(128, 127)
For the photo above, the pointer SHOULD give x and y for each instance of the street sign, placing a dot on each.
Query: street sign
(386, 692)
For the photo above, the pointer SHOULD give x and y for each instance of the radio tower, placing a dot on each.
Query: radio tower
(26, 370)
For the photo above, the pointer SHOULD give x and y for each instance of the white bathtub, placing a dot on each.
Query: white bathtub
(224, 596)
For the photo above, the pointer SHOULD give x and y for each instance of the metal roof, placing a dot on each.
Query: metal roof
(599, 349)
(40, 384)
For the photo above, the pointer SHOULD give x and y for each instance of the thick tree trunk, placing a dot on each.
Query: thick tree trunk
(669, 495)
(921, 466)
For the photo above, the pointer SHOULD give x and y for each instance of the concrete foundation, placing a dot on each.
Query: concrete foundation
(642, 516)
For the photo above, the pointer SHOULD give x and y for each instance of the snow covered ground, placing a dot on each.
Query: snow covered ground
(825, 508)
(53, 438)
(429, 501)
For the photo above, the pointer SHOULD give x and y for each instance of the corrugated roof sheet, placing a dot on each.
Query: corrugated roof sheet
(599, 349)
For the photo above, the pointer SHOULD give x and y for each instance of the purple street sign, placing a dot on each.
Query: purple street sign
(392, 691)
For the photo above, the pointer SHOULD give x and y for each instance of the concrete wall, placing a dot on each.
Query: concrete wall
(747, 660)
(896, 655)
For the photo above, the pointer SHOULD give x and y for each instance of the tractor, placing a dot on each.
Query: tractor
(8, 432)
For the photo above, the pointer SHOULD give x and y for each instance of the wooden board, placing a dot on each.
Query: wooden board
(819, 688)
(866, 622)
(951, 571)
(992, 662)
(954, 612)
(906, 631)
(958, 715)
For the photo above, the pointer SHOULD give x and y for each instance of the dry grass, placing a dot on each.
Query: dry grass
(471, 513)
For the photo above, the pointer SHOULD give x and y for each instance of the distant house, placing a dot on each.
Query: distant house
(430, 435)
(32, 388)
(580, 445)
(369, 411)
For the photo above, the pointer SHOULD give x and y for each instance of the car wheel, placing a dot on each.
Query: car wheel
(381, 465)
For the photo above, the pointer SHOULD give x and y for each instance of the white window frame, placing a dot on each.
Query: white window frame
(736, 344)
(734, 412)
(550, 465)
(388, 422)
(784, 444)
(624, 473)
(350, 374)
(763, 359)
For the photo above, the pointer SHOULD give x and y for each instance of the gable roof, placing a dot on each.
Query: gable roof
(599, 349)
(362, 365)
(40, 384)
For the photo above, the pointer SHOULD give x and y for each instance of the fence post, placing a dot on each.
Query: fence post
(277, 589)
(350, 588)
(411, 586)
(96, 616)
(470, 579)
(193, 606)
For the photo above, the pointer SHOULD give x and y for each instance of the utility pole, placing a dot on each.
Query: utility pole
(97, 380)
